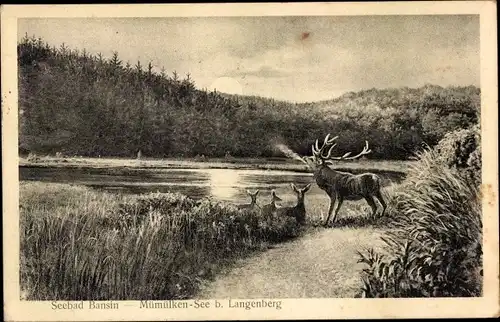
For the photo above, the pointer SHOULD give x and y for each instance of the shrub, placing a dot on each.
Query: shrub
(88, 245)
(32, 157)
(462, 150)
(434, 248)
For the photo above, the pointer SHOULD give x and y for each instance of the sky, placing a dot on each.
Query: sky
(298, 59)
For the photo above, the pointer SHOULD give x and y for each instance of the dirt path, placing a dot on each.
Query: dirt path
(322, 264)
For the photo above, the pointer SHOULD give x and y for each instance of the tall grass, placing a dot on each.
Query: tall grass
(434, 246)
(81, 244)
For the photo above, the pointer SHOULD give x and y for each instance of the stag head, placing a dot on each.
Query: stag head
(319, 158)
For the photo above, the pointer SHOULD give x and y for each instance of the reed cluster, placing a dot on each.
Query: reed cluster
(434, 248)
(82, 244)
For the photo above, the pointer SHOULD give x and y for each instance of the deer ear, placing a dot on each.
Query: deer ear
(293, 187)
(257, 192)
(306, 188)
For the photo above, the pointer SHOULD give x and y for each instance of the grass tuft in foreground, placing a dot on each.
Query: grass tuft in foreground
(81, 244)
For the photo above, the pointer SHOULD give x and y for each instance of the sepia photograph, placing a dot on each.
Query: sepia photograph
(268, 161)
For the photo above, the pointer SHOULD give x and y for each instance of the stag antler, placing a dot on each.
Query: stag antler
(346, 156)
(318, 152)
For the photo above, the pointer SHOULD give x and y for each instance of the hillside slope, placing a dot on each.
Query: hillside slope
(77, 103)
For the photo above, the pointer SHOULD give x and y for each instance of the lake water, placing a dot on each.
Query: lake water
(223, 184)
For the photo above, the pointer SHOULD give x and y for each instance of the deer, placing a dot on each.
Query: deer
(299, 210)
(253, 204)
(343, 185)
(269, 209)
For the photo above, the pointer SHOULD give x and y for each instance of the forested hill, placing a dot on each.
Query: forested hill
(81, 104)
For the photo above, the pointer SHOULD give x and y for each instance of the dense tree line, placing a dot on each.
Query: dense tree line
(77, 103)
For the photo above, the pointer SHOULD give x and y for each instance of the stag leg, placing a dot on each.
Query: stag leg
(372, 204)
(382, 201)
(341, 200)
(330, 210)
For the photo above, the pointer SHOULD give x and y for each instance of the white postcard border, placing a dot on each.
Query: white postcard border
(488, 305)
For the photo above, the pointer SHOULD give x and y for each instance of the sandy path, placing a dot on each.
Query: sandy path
(322, 264)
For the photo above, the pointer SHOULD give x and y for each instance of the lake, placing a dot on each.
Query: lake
(222, 184)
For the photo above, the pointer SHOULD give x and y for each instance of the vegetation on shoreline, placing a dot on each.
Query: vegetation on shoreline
(433, 237)
(435, 246)
(397, 167)
(78, 103)
(80, 244)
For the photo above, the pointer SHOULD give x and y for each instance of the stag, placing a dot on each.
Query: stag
(270, 208)
(343, 185)
(299, 210)
(253, 203)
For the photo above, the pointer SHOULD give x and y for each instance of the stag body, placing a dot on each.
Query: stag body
(343, 185)
(347, 186)
(299, 210)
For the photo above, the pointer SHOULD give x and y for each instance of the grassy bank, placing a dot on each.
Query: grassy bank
(81, 244)
(282, 164)
(435, 246)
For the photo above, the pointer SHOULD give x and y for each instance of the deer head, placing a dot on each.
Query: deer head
(253, 195)
(319, 157)
(274, 197)
(300, 192)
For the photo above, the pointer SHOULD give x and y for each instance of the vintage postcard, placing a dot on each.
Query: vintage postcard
(250, 161)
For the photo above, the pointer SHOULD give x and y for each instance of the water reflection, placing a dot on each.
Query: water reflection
(223, 184)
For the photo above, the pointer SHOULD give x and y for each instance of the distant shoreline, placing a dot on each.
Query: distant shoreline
(191, 163)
